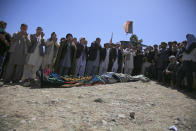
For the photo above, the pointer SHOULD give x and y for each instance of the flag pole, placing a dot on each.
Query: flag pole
(111, 38)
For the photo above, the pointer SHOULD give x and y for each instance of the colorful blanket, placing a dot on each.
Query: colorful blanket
(54, 80)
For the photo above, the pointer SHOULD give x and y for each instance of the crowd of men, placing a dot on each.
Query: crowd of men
(23, 54)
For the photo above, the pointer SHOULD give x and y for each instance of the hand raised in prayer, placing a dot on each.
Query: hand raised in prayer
(42, 34)
(25, 34)
(55, 39)
(20, 33)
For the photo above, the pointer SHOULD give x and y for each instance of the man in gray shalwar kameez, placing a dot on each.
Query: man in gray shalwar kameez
(18, 52)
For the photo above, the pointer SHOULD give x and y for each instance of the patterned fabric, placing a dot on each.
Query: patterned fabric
(107, 78)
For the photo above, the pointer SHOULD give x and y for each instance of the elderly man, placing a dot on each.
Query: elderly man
(170, 71)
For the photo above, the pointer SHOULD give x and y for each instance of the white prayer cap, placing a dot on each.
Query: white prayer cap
(172, 57)
(82, 38)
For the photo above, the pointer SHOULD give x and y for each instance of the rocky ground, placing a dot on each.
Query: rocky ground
(133, 106)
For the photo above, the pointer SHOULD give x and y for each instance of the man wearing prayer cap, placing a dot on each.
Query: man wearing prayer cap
(170, 72)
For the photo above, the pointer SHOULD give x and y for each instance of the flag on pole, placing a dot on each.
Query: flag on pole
(111, 38)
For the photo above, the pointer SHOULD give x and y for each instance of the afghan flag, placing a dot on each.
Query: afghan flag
(128, 27)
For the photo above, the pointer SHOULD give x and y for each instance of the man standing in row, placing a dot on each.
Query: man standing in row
(112, 57)
(104, 59)
(51, 52)
(65, 56)
(18, 53)
(117, 66)
(5, 39)
(36, 52)
(129, 54)
(81, 57)
(93, 58)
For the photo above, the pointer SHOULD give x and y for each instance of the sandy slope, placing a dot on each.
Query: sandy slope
(156, 108)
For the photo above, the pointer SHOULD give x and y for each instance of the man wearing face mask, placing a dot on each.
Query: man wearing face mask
(18, 52)
(5, 39)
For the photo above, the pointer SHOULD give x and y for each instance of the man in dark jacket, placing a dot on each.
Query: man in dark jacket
(138, 61)
(5, 39)
(120, 60)
(81, 56)
(115, 59)
(189, 63)
(65, 56)
(112, 57)
(93, 58)
(104, 60)
(162, 61)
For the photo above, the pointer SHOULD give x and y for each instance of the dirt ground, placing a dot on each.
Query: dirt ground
(133, 106)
